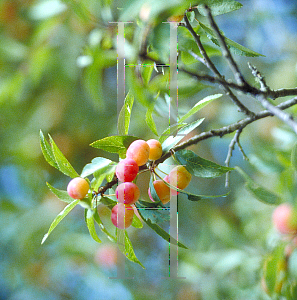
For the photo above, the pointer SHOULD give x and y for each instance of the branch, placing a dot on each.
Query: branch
(239, 125)
(212, 67)
(285, 117)
(225, 50)
(247, 89)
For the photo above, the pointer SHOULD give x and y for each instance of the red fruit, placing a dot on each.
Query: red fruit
(284, 218)
(127, 170)
(127, 192)
(122, 215)
(139, 151)
(78, 188)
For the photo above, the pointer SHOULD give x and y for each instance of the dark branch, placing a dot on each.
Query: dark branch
(212, 67)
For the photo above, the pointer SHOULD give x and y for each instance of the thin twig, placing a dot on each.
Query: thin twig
(212, 67)
(264, 87)
(225, 50)
(248, 89)
(285, 117)
(228, 129)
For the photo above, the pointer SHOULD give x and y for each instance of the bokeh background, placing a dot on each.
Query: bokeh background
(45, 83)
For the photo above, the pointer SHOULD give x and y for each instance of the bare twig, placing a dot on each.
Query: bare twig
(285, 117)
(264, 87)
(225, 50)
(248, 89)
(241, 124)
(212, 67)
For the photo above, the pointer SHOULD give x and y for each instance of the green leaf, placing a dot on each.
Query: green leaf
(97, 164)
(127, 250)
(274, 269)
(171, 129)
(108, 202)
(91, 225)
(63, 164)
(147, 70)
(47, 151)
(154, 214)
(104, 173)
(115, 144)
(172, 140)
(150, 121)
(219, 7)
(59, 218)
(154, 193)
(161, 232)
(125, 115)
(199, 166)
(62, 195)
(198, 106)
(102, 227)
(136, 222)
(294, 157)
(258, 191)
(233, 46)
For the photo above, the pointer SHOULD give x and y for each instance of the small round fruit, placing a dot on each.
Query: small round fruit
(127, 192)
(155, 149)
(122, 215)
(139, 151)
(284, 219)
(179, 177)
(78, 188)
(175, 18)
(172, 191)
(162, 190)
(127, 170)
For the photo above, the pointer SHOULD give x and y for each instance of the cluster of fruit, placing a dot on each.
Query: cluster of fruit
(127, 192)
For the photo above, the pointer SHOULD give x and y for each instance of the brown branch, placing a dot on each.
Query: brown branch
(225, 50)
(212, 67)
(241, 124)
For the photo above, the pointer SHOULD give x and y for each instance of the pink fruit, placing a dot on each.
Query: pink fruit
(122, 215)
(78, 188)
(127, 192)
(284, 218)
(127, 170)
(139, 151)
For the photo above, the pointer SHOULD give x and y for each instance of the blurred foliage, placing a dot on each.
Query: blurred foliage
(58, 73)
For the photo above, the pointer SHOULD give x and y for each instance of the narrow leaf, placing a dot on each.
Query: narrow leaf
(234, 47)
(294, 157)
(198, 106)
(47, 151)
(136, 222)
(162, 233)
(154, 214)
(102, 227)
(96, 164)
(127, 250)
(258, 191)
(59, 218)
(62, 195)
(172, 140)
(150, 121)
(125, 115)
(91, 226)
(63, 164)
(115, 144)
(199, 166)
(219, 7)
(169, 130)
